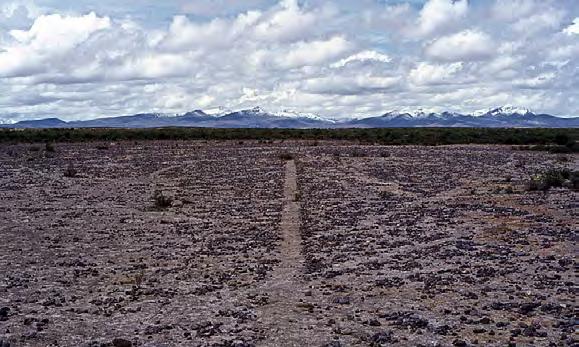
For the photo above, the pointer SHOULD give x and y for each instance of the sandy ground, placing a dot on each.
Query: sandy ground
(345, 245)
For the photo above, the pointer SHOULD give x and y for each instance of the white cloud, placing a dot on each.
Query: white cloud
(350, 85)
(299, 54)
(538, 82)
(512, 10)
(440, 14)
(314, 52)
(55, 32)
(184, 35)
(467, 45)
(430, 74)
(218, 7)
(50, 38)
(365, 56)
(335, 57)
(287, 24)
(538, 22)
(573, 29)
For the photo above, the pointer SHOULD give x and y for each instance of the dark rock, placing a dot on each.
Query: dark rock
(208, 329)
(4, 311)
(122, 343)
(342, 300)
(382, 339)
(333, 344)
(412, 322)
(442, 330)
(485, 320)
(529, 307)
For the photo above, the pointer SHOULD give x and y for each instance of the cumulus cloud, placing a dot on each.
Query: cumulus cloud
(431, 74)
(466, 45)
(219, 7)
(538, 22)
(351, 85)
(333, 57)
(50, 39)
(363, 57)
(438, 15)
(573, 29)
(513, 10)
(314, 52)
(538, 82)
(17, 15)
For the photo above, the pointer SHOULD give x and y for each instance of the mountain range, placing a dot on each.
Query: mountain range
(502, 117)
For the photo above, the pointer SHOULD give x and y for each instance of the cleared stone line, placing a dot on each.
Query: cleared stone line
(290, 223)
(282, 317)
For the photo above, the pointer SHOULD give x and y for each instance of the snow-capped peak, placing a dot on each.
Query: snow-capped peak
(294, 114)
(167, 115)
(504, 110)
(258, 109)
(410, 113)
(284, 113)
(217, 111)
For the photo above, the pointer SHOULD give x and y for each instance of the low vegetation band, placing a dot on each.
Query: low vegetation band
(387, 136)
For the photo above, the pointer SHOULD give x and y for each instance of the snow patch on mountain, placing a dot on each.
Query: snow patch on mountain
(416, 113)
(218, 111)
(507, 110)
(294, 114)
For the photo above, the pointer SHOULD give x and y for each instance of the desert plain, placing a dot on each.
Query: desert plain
(289, 243)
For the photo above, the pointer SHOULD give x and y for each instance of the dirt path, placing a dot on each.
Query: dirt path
(283, 317)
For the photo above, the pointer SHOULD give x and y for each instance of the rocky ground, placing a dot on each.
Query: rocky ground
(283, 244)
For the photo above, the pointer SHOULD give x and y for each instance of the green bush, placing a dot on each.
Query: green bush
(554, 178)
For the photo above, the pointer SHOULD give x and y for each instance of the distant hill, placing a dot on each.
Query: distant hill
(502, 117)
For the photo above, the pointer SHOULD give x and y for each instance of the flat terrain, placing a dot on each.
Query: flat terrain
(334, 245)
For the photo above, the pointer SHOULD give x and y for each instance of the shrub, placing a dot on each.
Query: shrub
(70, 171)
(560, 149)
(562, 158)
(553, 178)
(139, 278)
(49, 147)
(359, 153)
(102, 147)
(161, 201)
(574, 180)
(286, 156)
(562, 139)
(298, 196)
(34, 148)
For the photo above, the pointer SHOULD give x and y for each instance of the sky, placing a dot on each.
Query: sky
(81, 59)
